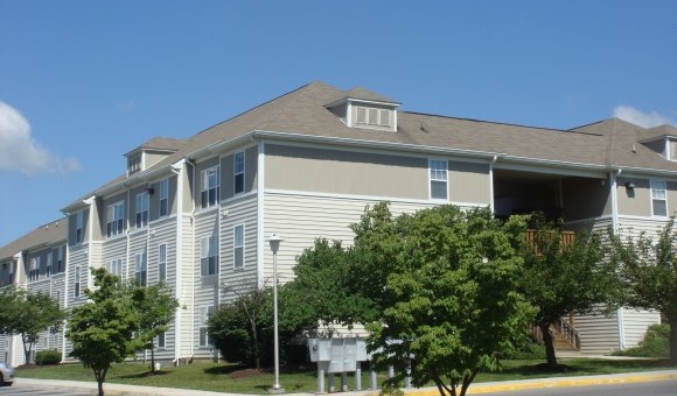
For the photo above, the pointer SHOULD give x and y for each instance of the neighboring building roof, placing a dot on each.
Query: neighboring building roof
(161, 144)
(660, 131)
(45, 235)
(301, 113)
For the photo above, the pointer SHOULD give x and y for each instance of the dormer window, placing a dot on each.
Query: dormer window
(133, 164)
(364, 109)
(373, 117)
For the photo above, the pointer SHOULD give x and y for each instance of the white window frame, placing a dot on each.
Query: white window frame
(162, 262)
(115, 217)
(59, 259)
(163, 207)
(206, 187)
(142, 210)
(209, 256)
(438, 175)
(76, 288)
(141, 269)
(161, 340)
(238, 246)
(50, 260)
(115, 267)
(373, 117)
(658, 188)
(205, 312)
(79, 227)
(238, 172)
(34, 269)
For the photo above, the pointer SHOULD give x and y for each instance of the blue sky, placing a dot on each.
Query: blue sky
(83, 82)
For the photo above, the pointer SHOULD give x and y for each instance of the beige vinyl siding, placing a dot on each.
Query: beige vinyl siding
(72, 224)
(291, 168)
(162, 233)
(250, 172)
(115, 249)
(599, 333)
(155, 198)
(585, 198)
(206, 288)
(635, 324)
(77, 257)
(152, 158)
(186, 266)
(204, 165)
(138, 244)
(469, 183)
(672, 197)
(636, 201)
(241, 212)
(299, 220)
(632, 227)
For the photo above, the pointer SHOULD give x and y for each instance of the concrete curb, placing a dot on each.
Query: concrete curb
(477, 388)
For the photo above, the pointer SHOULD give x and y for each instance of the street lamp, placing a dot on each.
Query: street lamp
(275, 246)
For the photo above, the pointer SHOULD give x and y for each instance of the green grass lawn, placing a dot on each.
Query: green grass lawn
(228, 378)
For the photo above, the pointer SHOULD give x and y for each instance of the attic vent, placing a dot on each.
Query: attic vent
(373, 117)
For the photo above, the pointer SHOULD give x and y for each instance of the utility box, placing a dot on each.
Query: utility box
(320, 349)
(342, 354)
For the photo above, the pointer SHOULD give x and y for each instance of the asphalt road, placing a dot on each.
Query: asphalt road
(657, 388)
(23, 391)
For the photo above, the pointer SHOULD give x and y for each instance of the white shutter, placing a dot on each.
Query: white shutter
(360, 115)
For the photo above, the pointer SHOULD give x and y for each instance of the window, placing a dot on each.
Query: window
(438, 179)
(115, 267)
(141, 269)
(58, 298)
(238, 247)
(238, 172)
(164, 198)
(133, 164)
(210, 187)
(209, 255)
(34, 269)
(373, 116)
(115, 219)
(161, 340)
(142, 204)
(206, 312)
(659, 198)
(49, 263)
(79, 221)
(76, 289)
(59, 259)
(162, 265)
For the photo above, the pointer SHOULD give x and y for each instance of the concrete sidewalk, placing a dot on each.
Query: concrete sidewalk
(478, 388)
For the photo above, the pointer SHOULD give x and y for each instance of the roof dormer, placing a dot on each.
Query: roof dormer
(662, 140)
(150, 153)
(361, 108)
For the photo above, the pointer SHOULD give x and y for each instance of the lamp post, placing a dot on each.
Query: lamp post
(275, 246)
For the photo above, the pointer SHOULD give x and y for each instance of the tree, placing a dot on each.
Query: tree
(28, 314)
(648, 273)
(102, 329)
(559, 279)
(446, 282)
(155, 308)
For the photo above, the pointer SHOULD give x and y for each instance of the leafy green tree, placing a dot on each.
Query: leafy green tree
(446, 283)
(102, 329)
(155, 309)
(562, 278)
(648, 272)
(29, 314)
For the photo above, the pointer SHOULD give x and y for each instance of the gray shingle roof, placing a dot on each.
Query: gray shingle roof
(45, 235)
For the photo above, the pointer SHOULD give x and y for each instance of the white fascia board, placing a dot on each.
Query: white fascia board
(563, 168)
(649, 173)
(376, 144)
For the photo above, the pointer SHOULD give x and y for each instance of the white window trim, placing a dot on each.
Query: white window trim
(652, 199)
(235, 246)
(142, 206)
(79, 225)
(204, 316)
(160, 262)
(205, 248)
(204, 187)
(236, 173)
(112, 219)
(164, 195)
(431, 179)
(141, 268)
(78, 283)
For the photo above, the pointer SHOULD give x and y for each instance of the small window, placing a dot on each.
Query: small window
(142, 204)
(133, 164)
(164, 198)
(79, 221)
(162, 264)
(161, 340)
(438, 179)
(141, 270)
(115, 267)
(659, 198)
(34, 269)
(209, 256)
(374, 117)
(210, 187)
(206, 312)
(76, 289)
(115, 219)
(238, 247)
(59, 259)
(58, 298)
(50, 257)
(238, 172)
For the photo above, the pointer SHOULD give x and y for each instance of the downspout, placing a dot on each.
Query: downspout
(91, 202)
(192, 290)
(66, 261)
(127, 237)
(491, 184)
(614, 227)
(19, 260)
(177, 169)
(260, 211)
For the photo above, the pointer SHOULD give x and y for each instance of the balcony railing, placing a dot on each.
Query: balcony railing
(566, 237)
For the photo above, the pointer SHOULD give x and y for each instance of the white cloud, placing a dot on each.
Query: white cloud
(19, 151)
(646, 120)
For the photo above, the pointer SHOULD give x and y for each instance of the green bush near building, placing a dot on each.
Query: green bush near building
(655, 344)
(50, 356)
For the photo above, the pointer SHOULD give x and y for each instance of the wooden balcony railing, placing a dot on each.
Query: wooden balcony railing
(566, 237)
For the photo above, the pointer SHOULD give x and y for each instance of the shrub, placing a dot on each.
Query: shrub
(46, 357)
(654, 345)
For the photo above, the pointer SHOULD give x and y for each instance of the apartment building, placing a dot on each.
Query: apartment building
(198, 213)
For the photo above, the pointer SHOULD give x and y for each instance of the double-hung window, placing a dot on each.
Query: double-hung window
(76, 288)
(34, 270)
(142, 204)
(50, 259)
(162, 262)
(59, 259)
(115, 267)
(438, 179)
(238, 247)
(141, 269)
(210, 187)
(238, 172)
(79, 229)
(206, 312)
(659, 198)
(115, 219)
(209, 256)
(161, 340)
(164, 198)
